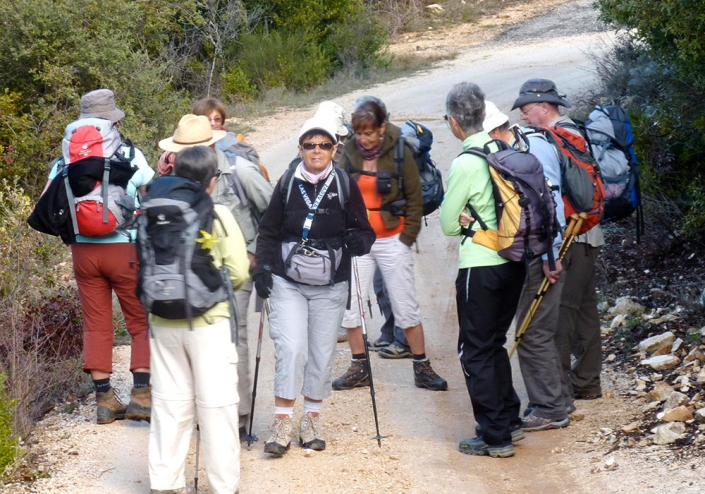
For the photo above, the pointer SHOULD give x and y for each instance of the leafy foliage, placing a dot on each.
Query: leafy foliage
(659, 74)
(8, 440)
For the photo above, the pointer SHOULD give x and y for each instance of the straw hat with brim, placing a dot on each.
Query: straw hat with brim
(539, 91)
(100, 104)
(193, 130)
(335, 112)
(493, 117)
(322, 124)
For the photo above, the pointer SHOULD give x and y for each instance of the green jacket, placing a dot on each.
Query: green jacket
(469, 180)
(352, 162)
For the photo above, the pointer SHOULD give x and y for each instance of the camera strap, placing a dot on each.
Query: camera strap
(313, 206)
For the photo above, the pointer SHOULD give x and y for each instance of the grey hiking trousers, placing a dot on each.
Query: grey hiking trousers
(538, 354)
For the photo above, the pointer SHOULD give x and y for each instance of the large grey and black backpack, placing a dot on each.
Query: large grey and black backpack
(611, 139)
(177, 278)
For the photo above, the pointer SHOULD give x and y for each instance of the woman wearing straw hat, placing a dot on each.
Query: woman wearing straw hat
(246, 192)
(314, 223)
(194, 362)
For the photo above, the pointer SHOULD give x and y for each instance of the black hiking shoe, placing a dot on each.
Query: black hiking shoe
(425, 377)
(515, 430)
(478, 447)
(356, 376)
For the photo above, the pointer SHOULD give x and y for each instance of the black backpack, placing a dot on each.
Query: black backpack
(177, 278)
(419, 140)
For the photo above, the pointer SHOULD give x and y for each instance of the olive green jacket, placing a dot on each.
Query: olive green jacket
(413, 210)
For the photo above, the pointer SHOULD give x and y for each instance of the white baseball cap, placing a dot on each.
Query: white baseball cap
(324, 124)
(493, 117)
(335, 112)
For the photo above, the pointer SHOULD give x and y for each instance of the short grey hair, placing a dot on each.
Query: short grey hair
(466, 104)
(368, 97)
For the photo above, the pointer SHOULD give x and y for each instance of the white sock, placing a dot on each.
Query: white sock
(312, 406)
(289, 411)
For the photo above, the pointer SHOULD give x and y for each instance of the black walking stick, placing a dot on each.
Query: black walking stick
(378, 437)
(573, 228)
(198, 443)
(249, 437)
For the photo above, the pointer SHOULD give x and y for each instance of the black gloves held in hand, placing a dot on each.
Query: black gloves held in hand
(263, 283)
(355, 245)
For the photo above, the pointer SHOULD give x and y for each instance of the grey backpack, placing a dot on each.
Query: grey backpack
(177, 278)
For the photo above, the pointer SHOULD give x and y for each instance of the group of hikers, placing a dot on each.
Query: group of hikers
(211, 227)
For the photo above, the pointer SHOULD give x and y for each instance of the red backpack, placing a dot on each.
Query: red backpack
(583, 190)
(95, 173)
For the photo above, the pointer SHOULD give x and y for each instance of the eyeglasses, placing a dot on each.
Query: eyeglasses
(522, 113)
(447, 119)
(216, 120)
(218, 173)
(310, 146)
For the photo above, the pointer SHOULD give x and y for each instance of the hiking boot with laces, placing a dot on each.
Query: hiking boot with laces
(140, 406)
(478, 447)
(280, 438)
(356, 376)
(425, 377)
(515, 430)
(378, 344)
(532, 423)
(310, 433)
(109, 408)
(395, 350)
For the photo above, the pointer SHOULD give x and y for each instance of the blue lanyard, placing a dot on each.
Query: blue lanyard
(312, 206)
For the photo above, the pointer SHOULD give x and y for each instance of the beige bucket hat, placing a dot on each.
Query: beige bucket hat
(100, 104)
(193, 130)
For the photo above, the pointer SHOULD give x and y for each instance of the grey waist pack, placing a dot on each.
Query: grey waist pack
(311, 266)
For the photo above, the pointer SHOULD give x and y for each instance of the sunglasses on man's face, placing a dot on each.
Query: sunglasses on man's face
(218, 173)
(310, 146)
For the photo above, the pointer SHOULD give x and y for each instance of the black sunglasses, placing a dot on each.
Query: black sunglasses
(218, 173)
(310, 146)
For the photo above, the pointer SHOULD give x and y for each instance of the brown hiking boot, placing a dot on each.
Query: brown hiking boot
(356, 376)
(109, 407)
(425, 377)
(140, 406)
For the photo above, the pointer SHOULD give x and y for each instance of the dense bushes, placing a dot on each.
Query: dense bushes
(658, 72)
(40, 317)
(158, 57)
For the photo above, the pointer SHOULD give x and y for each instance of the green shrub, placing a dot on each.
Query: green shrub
(357, 43)
(40, 315)
(237, 86)
(281, 59)
(8, 439)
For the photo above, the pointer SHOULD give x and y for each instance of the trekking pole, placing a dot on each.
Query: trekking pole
(198, 443)
(251, 438)
(574, 225)
(358, 288)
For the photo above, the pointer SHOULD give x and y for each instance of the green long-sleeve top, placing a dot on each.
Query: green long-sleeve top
(469, 181)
